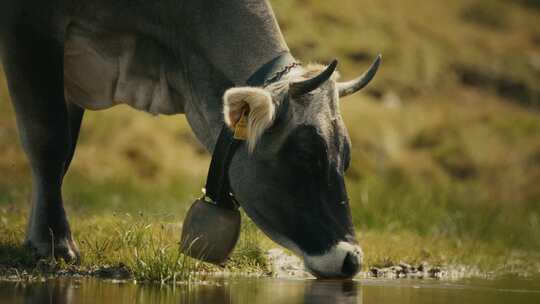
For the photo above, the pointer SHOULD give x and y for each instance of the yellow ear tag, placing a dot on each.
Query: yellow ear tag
(240, 129)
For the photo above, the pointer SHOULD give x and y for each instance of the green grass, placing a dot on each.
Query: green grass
(468, 255)
(445, 161)
(146, 249)
(144, 246)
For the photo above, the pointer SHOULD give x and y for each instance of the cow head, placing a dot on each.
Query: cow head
(290, 177)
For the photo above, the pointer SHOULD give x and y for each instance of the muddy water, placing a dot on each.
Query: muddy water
(275, 291)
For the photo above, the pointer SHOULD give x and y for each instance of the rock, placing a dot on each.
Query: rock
(119, 272)
(435, 272)
(396, 269)
(406, 267)
(285, 265)
(375, 271)
(422, 267)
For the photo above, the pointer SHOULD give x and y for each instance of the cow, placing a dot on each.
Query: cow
(62, 57)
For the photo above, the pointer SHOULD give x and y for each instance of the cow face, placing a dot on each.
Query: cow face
(290, 177)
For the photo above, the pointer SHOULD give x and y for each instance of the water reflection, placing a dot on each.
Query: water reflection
(273, 291)
(332, 292)
(263, 291)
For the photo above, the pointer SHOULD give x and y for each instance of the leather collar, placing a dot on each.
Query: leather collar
(271, 71)
(218, 190)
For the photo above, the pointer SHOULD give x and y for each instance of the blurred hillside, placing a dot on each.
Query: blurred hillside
(446, 140)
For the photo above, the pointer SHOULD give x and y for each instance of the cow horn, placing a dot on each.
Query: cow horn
(355, 85)
(306, 86)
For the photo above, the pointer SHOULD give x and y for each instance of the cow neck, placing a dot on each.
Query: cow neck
(218, 190)
(237, 37)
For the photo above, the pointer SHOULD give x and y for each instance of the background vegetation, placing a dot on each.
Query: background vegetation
(446, 141)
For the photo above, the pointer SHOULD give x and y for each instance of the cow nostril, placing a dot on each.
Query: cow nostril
(351, 265)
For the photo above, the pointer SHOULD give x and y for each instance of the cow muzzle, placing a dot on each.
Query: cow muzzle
(343, 260)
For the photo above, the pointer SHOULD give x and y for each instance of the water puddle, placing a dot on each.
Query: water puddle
(274, 291)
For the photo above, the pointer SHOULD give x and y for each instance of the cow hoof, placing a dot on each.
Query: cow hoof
(65, 249)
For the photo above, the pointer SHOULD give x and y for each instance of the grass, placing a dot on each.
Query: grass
(445, 159)
(467, 255)
(126, 245)
(145, 248)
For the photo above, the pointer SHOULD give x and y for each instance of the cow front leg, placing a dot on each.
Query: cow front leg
(75, 115)
(33, 62)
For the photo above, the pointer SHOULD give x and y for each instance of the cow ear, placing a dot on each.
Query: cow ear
(257, 103)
